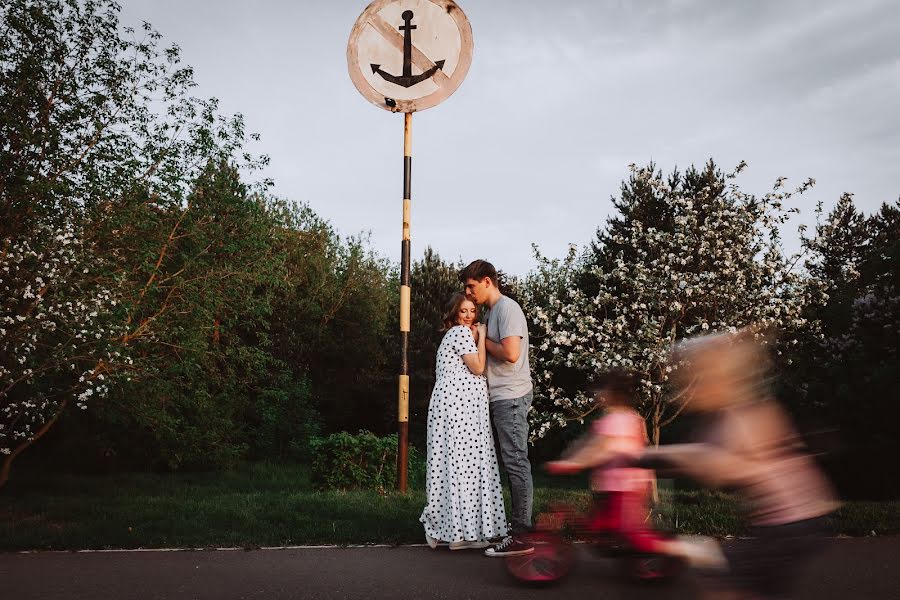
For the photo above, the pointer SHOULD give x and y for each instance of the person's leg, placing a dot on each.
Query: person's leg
(772, 561)
(632, 516)
(510, 420)
(601, 518)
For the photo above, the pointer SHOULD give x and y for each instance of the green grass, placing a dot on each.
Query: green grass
(272, 505)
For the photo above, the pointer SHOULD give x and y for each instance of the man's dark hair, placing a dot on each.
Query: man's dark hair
(478, 270)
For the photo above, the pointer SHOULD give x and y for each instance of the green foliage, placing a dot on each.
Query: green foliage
(331, 319)
(246, 318)
(266, 504)
(689, 254)
(849, 377)
(101, 136)
(90, 109)
(200, 280)
(362, 461)
(59, 329)
(251, 318)
(282, 421)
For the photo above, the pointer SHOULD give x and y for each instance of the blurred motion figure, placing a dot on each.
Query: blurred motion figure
(622, 490)
(749, 445)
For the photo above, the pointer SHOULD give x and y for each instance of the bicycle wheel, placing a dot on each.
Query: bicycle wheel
(653, 567)
(551, 560)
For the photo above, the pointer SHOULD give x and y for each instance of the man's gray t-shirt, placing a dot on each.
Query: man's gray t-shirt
(507, 380)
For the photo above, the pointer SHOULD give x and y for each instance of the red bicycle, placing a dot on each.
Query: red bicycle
(555, 556)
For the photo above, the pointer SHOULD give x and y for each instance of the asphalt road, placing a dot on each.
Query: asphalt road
(866, 568)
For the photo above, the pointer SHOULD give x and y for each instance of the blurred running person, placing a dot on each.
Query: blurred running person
(750, 446)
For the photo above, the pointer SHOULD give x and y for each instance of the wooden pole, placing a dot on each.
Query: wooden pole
(403, 384)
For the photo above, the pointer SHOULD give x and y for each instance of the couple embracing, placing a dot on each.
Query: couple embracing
(482, 394)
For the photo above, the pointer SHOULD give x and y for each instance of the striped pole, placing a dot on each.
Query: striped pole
(403, 384)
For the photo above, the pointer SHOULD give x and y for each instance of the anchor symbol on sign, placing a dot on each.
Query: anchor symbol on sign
(408, 79)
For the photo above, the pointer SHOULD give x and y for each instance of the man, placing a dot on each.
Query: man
(510, 391)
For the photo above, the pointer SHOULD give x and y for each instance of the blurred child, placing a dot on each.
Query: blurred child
(622, 491)
(750, 446)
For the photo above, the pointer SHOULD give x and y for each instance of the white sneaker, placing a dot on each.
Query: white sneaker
(466, 544)
(432, 543)
(704, 553)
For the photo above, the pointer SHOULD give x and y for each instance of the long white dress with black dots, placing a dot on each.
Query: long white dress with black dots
(464, 498)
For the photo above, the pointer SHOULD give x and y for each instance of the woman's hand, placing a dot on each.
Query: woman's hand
(482, 331)
(477, 361)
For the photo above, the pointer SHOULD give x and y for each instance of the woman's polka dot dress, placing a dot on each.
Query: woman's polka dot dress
(462, 482)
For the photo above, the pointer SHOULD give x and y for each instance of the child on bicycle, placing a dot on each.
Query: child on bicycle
(622, 491)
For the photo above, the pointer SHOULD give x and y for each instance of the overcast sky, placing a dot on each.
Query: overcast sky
(561, 97)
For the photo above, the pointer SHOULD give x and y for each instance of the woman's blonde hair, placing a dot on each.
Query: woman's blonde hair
(741, 357)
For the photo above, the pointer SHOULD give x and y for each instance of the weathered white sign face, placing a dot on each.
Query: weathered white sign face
(409, 55)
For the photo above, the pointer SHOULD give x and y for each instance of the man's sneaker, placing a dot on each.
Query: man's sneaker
(510, 546)
(466, 544)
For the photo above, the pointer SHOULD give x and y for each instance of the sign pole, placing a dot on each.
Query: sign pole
(403, 57)
(405, 293)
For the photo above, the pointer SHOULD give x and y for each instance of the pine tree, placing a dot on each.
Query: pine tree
(839, 248)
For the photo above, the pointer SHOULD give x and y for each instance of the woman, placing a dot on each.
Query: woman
(464, 498)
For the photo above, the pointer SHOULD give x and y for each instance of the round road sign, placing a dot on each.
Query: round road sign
(409, 55)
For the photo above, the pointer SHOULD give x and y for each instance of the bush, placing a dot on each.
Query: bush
(362, 461)
(281, 421)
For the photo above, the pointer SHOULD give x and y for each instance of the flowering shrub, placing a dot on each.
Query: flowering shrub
(58, 333)
(362, 461)
(690, 254)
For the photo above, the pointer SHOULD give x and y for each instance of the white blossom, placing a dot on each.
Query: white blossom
(717, 266)
(57, 341)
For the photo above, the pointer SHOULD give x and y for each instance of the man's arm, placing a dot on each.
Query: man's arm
(512, 328)
(508, 349)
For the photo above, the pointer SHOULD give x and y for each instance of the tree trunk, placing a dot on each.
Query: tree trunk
(654, 439)
(8, 460)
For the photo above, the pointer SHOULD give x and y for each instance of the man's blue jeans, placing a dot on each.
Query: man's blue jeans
(510, 420)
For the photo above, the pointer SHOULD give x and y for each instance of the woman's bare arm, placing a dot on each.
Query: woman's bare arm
(476, 361)
(708, 464)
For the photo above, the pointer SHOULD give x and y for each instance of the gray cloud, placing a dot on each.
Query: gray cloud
(560, 98)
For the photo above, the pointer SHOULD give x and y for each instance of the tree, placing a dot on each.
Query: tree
(883, 257)
(91, 109)
(58, 335)
(95, 120)
(200, 282)
(332, 321)
(708, 259)
(838, 251)
(849, 377)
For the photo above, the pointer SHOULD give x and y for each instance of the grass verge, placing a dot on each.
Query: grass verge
(273, 505)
